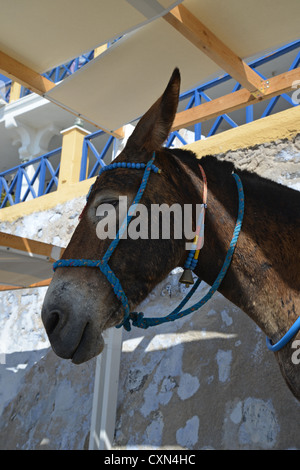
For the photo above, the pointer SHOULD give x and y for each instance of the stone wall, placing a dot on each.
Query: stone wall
(278, 161)
(204, 382)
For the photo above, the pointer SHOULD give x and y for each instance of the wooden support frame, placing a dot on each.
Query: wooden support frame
(22, 74)
(29, 246)
(274, 86)
(255, 89)
(32, 248)
(35, 82)
(44, 283)
(197, 33)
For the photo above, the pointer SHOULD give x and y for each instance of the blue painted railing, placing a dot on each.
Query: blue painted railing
(16, 184)
(93, 160)
(199, 95)
(5, 89)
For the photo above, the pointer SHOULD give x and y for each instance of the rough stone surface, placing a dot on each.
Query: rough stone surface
(278, 161)
(206, 381)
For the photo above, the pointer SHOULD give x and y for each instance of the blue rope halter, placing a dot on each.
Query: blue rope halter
(103, 263)
(138, 319)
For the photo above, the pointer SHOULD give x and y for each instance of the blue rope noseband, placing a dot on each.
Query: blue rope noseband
(138, 319)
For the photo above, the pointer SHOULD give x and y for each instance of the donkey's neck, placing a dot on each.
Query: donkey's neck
(264, 274)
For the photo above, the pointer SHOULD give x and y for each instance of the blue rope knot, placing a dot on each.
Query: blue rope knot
(137, 319)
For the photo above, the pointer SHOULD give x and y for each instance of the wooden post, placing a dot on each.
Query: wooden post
(15, 91)
(99, 50)
(71, 155)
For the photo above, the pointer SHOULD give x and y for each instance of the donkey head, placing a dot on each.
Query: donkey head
(80, 302)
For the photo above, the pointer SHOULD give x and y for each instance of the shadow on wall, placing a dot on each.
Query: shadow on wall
(13, 368)
(205, 381)
(52, 408)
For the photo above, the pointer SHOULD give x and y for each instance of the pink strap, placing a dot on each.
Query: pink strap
(200, 228)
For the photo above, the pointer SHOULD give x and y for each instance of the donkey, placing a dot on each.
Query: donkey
(263, 278)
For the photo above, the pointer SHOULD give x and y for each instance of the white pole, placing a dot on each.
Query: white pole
(106, 392)
(106, 386)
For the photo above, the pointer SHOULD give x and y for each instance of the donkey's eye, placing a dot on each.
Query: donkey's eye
(106, 207)
(111, 202)
(114, 203)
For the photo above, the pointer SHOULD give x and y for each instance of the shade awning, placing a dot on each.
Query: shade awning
(204, 38)
(120, 84)
(43, 35)
(127, 78)
(25, 262)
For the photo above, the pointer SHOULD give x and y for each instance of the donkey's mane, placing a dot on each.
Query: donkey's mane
(270, 192)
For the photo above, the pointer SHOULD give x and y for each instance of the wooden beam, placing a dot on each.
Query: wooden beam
(44, 283)
(273, 87)
(36, 83)
(22, 74)
(197, 33)
(29, 246)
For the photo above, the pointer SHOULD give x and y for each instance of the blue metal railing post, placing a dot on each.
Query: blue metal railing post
(42, 177)
(249, 113)
(99, 157)
(18, 186)
(197, 126)
(83, 167)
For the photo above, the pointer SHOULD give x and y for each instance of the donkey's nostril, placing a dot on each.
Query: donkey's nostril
(52, 322)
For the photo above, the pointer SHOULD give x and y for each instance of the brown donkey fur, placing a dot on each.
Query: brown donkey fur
(263, 279)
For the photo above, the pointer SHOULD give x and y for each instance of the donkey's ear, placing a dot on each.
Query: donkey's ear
(154, 127)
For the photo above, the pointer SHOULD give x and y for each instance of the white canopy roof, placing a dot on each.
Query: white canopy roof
(43, 34)
(120, 84)
(202, 37)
